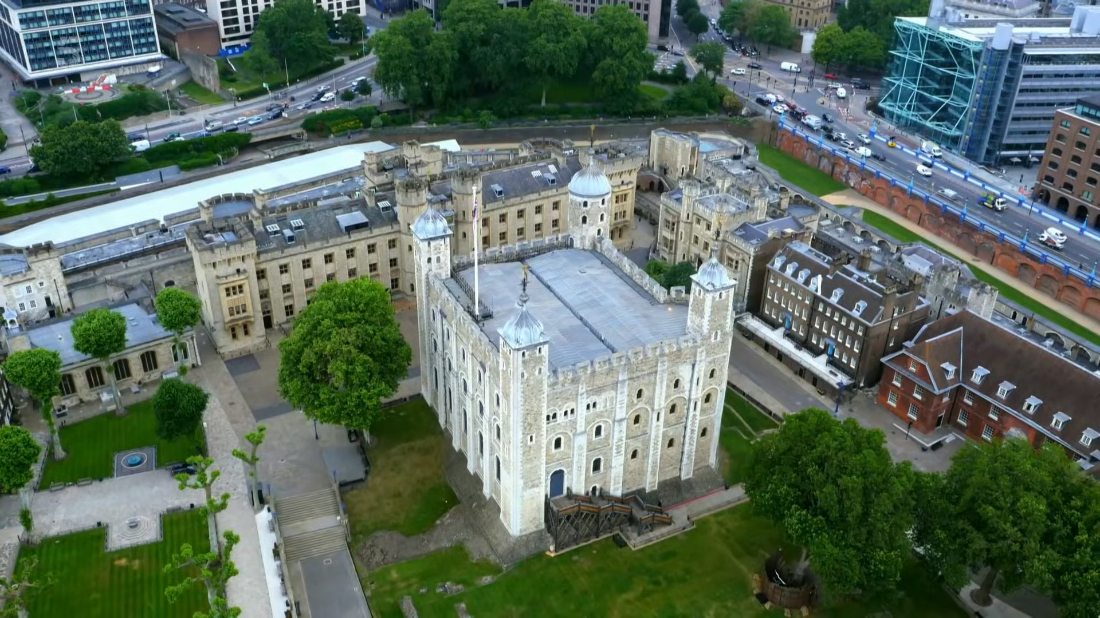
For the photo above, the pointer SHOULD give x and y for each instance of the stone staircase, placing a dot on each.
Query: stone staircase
(310, 525)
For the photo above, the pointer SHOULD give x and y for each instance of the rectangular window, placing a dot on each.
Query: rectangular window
(68, 387)
(261, 274)
(286, 288)
(964, 417)
(393, 262)
(892, 399)
(149, 361)
(307, 263)
(330, 258)
(330, 277)
(371, 248)
(392, 243)
(349, 253)
(994, 414)
(918, 392)
(914, 412)
(987, 433)
(288, 310)
(284, 269)
(354, 272)
(968, 398)
(395, 284)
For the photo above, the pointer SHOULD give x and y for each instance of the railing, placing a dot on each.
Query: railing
(1024, 245)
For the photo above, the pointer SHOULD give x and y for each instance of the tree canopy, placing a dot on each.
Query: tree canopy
(857, 49)
(350, 26)
(81, 149)
(739, 16)
(711, 56)
(99, 333)
(38, 370)
(618, 50)
(344, 355)
(772, 26)
(833, 488)
(1026, 514)
(415, 63)
(556, 44)
(179, 407)
(19, 453)
(295, 32)
(697, 24)
(178, 311)
(877, 16)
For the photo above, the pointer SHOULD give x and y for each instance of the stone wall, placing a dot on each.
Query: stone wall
(607, 249)
(204, 69)
(986, 246)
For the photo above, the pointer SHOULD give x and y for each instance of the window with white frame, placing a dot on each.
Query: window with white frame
(964, 417)
(897, 379)
(914, 412)
(1032, 404)
(968, 398)
(1057, 423)
(987, 432)
(918, 392)
(892, 399)
(1088, 436)
(994, 414)
(912, 365)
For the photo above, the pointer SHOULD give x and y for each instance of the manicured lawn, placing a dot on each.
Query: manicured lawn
(705, 572)
(201, 95)
(798, 173)
(655, 92)
(90, 583)
(757, 420)
(407, 491)
(736, 446)
(905, 235)
(91, 445)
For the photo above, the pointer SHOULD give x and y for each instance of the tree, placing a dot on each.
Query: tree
(712, 57)
(178, 312)
(679, 275)
(101, 333)
(485, 119)
(296, 33)
(833, 488)
(19, 453)
(350, 27)
(732, 104)
(415, 63)
(739, 16)
(345, 354)
(179, 407)
(829, 45)
(680, 72)
(878, 16)
(1076, 587)
(204, 479)
(81, 149)
(618, 54)
(657, 269)
(1001, 506)
(772, 26)
(260, 59)
(17, 590)
(862, 49)
(686, 7)
(697, 24)
(364, 88)
(347, 95)
(256, 438)
(39, 371)
(215, 571)
(556, 42)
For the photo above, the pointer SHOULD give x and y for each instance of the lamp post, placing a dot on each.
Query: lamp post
(315, 435)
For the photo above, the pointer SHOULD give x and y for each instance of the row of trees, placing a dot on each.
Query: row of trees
(853, 50)
(760, 22)
(484, 49)
(692, 16)
(1030, 517)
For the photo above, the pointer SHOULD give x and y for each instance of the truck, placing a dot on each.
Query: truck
(140, 145)
(790, 67)
(992, 201)
(813, 122)
(931, 149)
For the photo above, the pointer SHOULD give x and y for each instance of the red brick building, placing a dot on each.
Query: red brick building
(987, 382)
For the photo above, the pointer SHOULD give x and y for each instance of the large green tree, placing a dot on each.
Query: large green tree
(556, 42)
(1076, 587)
(829, 45)
(833, 488)
(711, 56)
(474, 26)
(179, 407)
(39, 371)
(81, 150)
(679, 274)
(772, 26)
(345, 354)
(296, 33)
(101, 334)
(684, 8)
(618, 40)
(878, 15)
(697, 23)
(18, 454)
(1001, 506)
(862, 49)
(415, 63)
(260, 59)
(179, 312)
(739, 16)
(350, 27)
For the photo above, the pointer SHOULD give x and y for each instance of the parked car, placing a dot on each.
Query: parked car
(779, 108)
(203, 134)
(181, 468)
(5, 170)
(677, 53)
(877, 157)
(136, 136)
(663, 48)
(864, 138)
(232, 129)
(255, 120)
(738, 71)
(274, 106)
(924, 171)
(173, 137)
(829, 76)
(241, 120)
(859, 84)
(755, 65)
(826, 118)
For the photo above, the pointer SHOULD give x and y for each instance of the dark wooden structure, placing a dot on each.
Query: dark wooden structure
(574, 520)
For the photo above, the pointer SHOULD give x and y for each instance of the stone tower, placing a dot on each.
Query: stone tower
(431, 258)
(710, 317)
(412, 202)
(524, 367)
(589, 205)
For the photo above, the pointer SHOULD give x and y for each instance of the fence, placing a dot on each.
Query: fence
(1022, 244)
(749, 398)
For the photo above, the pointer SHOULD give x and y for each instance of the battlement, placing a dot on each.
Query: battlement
(625, 358)
(607, 249)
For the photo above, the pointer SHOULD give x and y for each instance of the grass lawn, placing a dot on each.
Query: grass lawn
(201, 95)
(704, 572)
(407, 491)
(798, 173)
(736, 446)
(91, 445)
(91, 583)
(905, 235)
(654, 92)
(757, 420)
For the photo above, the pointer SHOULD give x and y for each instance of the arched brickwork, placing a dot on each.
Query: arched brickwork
(913, 213)
(1047, 284)
(1070, 295)
(966, 242)
(1026, 274)
(986, 251)
(1092, 307)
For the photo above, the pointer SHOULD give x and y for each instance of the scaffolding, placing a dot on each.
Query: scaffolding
(932, 80)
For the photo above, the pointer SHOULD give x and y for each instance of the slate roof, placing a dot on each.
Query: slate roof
(757, 233)
(319, 224)
(970, 342)
(518, 181)
(141, 328)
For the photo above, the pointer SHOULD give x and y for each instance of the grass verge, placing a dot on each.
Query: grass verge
(91, 583)
(199, 94)
(407, 491)
(904, 234)
(654, 92)
(19, 209)
(755, 418)
(798, 173)
(704, 572)
(736, 447)
(91, 445)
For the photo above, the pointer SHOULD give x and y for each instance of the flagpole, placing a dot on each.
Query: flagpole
(477, 249)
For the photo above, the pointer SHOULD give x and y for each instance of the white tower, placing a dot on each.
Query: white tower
(589, 205)
(432, 255)
(710, 317)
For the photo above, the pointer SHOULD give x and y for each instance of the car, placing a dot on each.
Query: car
(1056, 234)
(840, 136)
(864, 138)
(755, 65)
(663, 48)
(232, 129)
(255, 120)
(5, 170)
(924, 171)
(878, 157)
(322, 88)
(841, 93)
(779, 108)
(829, 135)
(274, 106)
(241, 120)
(738, 71)
(826, 118)
(847, 143)
(891, 141)
(792, 105)
(829, 76)
(203, 134)
(136, 136)
(863, 151)
(181, 468)
(859, 84)
(173, 137)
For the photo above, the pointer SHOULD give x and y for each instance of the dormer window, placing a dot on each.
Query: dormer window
(802, 274)
(779, 259)
(859, 308)
(912, 365)
(979, 374)
(837, 293)
(1088, 436)
(948, 370)
(1032, 404)
(1004, 388)
(1059, 420)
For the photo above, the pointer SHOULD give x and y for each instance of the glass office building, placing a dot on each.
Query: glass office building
(988, 89)
(48, 39)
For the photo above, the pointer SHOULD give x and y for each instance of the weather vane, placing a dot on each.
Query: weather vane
(524, 283)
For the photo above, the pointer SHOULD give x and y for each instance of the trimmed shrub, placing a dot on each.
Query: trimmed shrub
(180, 151)
(205, 160)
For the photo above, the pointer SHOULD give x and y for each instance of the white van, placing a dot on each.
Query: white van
(140, 145)
(328, 97)
(790, 67)
(930, 148)
(813, 122)
(841, 93)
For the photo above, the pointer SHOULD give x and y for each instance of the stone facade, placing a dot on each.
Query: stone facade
(32, 285)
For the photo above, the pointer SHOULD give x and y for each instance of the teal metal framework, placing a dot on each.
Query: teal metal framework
(930, 86)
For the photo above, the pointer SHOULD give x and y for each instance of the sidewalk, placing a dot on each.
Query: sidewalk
(850, 197)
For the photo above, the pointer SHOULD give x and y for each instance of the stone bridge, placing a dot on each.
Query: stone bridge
(986, 246)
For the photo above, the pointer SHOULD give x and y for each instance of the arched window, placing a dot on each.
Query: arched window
(597, 465)
(676, 383)
(703, 433)
(634, 454)
(671, 442)
(706, 398)
(584, 220)
(480, 443)
(94, 377)
(602, 217)
(498, 431)
(672, 409)
(557, 443)
(637, 419)
(598, 432)
(638, 395)
(498, 468)
(711, 374)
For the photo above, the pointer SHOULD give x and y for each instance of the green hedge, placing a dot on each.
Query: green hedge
(137, 101)
(19, 186)
(340, 120)
(259, 91)
(205, 160)
(202, 146)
